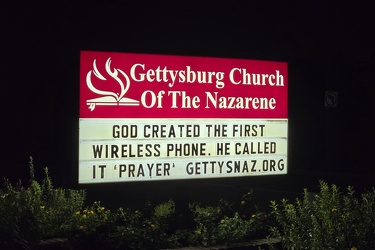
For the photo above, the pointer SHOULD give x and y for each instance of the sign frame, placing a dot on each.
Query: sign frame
(159, 117)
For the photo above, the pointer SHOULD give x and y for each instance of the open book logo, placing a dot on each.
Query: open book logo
(109, 98)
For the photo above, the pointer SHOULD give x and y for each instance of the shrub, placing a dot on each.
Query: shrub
(148, 228)
(227, 223)
(328, 220)
(39, 211)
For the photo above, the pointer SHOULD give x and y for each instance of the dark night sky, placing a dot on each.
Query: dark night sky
(328, 47)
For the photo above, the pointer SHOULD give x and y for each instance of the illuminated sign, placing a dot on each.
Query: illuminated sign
(158, 117)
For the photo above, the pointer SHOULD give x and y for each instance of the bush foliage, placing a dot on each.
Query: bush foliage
(37, 212)
(330, 219)
(40, 211)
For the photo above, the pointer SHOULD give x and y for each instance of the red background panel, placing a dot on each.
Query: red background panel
(123, 62)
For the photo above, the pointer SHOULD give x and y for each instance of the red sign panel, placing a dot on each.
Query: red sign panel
(126, 85)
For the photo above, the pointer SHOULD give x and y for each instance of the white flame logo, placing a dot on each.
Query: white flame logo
(109, 97)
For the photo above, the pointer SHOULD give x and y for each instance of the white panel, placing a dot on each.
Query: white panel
(118, 150)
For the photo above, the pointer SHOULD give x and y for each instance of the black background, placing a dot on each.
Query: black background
(328, 46)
